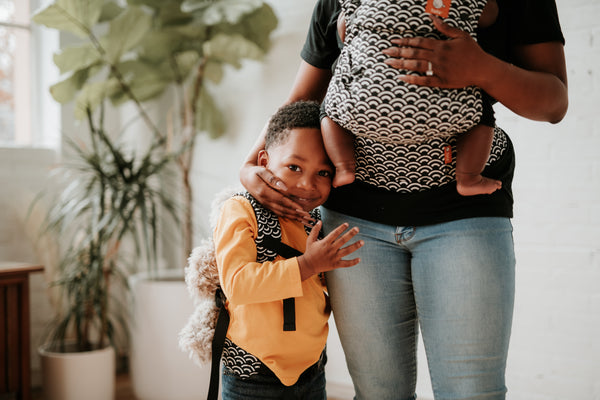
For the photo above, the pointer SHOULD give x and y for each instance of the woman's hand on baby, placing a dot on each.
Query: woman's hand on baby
(327, 254)
(270, 191)
(455, 63)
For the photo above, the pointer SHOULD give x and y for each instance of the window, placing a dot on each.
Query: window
(24, 82)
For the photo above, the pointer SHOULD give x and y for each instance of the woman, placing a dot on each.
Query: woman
(432, 259)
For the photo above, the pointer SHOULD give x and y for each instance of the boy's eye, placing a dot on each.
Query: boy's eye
(294, 167)
(325, 173)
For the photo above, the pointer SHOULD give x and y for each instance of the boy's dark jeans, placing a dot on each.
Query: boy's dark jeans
(265, 385)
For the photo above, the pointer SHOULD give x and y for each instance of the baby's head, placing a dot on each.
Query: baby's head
(295, 153)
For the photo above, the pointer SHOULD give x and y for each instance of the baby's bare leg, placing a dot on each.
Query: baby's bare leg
(472, 152)
(339, 145)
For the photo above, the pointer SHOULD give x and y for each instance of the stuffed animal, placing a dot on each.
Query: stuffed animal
(202, 280)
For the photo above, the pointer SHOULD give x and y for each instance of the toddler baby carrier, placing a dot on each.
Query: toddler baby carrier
(204, 335)
(365, 95)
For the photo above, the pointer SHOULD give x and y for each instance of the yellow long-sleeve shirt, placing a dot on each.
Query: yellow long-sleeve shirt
(255, 293)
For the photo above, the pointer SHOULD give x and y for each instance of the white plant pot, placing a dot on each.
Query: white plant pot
(86, 375)
(159, 369)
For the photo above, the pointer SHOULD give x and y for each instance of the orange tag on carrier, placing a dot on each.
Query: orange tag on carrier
(448, 154)
(441, 8)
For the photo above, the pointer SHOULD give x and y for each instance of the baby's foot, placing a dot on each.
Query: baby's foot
(343, 177)
(473, 184)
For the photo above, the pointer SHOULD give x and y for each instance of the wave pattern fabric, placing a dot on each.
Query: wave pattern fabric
(365, 95)
(413, 167)
(238, 361)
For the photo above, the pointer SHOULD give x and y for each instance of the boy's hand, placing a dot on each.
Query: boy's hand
(326, 254)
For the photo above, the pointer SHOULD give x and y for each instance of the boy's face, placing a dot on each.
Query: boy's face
(302, 164)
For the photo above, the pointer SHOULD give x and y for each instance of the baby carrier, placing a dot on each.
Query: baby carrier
(365, 95)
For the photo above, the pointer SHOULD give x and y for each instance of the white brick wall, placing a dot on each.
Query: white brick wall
(554, 348)
(555, 351)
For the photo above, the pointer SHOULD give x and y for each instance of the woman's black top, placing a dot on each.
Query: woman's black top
(415, 185)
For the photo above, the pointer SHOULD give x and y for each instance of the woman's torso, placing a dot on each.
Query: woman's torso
(415, 185)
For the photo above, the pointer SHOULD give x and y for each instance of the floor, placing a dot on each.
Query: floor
(124, 391)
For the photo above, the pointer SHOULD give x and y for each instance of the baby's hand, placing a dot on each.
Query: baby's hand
(326, 254)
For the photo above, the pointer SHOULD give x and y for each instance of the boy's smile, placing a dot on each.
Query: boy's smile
(301, 163)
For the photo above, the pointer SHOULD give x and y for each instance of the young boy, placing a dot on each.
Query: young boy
(260, 359)
(473, 145)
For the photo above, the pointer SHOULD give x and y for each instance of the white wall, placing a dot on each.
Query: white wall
(554, 353)
(554, 349)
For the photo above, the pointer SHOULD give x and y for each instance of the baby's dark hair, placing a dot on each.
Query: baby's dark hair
(300, 114)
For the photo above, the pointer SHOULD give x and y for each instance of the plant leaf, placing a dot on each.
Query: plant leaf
(74, 16)
(216, 12)
(145, 81)
(172, 14)
(156, 4)
(157, 46)
(209, 117)
(126, 31)
(186, 61)
(147, 86)
(76, 57)
(110, 10)
(231, 49)
(65, 90)
(258, 26)
(213, 71)
(92, 95)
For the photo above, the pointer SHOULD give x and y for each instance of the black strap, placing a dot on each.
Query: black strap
(289, 305)
(281, 248)
(289, 317)
(217, 344)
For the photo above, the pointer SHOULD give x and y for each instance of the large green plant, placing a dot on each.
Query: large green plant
(136, 52)
(110, 195)
(130, 53)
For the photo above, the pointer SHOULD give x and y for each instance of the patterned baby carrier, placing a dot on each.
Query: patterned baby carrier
(204, 336)
(365, 95)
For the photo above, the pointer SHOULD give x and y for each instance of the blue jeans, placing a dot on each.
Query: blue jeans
(265, 385)
(454, 280)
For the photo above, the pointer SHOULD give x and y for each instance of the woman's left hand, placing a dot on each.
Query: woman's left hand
(455, 63)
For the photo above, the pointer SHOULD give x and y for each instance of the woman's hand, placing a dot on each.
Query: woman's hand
(455, 63)
(534, 86)
(270, 191)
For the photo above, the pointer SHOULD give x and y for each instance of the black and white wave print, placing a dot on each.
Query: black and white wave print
(365, 96)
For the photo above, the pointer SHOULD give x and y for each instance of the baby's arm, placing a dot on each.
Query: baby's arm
(326, 254)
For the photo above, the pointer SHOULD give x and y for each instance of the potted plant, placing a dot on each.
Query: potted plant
(109, 198)
(144, 50)
(153, 47)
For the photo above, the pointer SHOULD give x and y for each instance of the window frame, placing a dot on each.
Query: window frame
(44, 121)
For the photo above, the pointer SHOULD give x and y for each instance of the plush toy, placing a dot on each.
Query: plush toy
(202, 280)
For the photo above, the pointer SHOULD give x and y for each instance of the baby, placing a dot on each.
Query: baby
(365, 96)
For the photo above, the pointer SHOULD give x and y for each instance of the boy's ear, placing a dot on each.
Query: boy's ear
(263, 158)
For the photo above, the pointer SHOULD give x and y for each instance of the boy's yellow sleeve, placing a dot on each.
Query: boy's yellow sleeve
(243, 280)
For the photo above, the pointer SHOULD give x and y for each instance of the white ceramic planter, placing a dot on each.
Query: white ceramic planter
(159, 369)
(86, 375)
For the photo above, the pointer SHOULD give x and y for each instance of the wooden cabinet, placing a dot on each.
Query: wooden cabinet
(15, 380)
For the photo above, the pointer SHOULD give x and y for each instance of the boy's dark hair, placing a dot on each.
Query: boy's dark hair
(300, 114)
